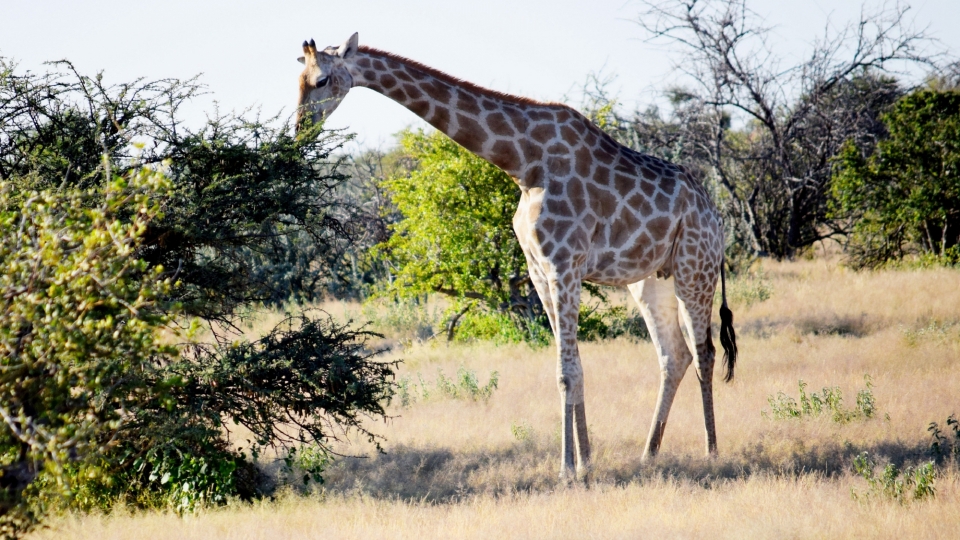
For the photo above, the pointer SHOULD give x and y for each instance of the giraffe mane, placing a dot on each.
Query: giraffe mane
(456, 81)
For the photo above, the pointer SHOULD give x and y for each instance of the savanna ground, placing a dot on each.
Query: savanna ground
(482, 468)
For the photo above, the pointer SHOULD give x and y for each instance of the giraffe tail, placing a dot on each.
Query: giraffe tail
(728, 338)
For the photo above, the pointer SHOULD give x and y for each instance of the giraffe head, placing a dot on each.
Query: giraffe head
(325, 80)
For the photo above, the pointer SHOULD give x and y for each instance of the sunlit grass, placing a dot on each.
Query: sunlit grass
(470, 468)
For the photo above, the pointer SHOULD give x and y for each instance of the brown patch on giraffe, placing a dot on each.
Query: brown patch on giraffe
(420, 108)
(604, 156)
(601, 176)
(607, 144)
(517, 118)
(370, 75)
(403, 75)
(470, 134)
(563, 115)
(440, 118)
(659, 227)
(489, 104)
(531, 152)
(498, 124)
(619, 235)
(363, 63)
(379, 65)
(624, 184)
(582, 161)
(542, 114)
(662, 202)
(467, 103)
(579, 125)
(561, 230)
(636, 253)
(604, 202)
(555, 188)
(569, 135)
(591, 138)
(397, 94)
(543, 132)
(505, 155)
(547, 248)
(629, 221)
(576, 195)
(412, 91)
(438, 90)
(578, 239)
(558, 149)
(668, 184)
(559, 207)
(559, 166)
(625, 165)
(648, 173)
(534, 177)
(562, 258)
(606, 260)
(648, 188)
(388, 81)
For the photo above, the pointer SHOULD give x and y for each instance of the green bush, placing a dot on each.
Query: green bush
(894, 483)
(78, 315)
(828, 401)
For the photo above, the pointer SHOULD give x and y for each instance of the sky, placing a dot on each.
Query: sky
(246, 51)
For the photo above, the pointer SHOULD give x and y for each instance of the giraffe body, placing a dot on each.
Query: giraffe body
(590, 210)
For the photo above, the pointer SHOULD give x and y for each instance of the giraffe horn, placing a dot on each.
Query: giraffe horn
(312, 44)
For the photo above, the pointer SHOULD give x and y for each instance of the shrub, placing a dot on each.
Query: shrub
(79, 314)
(913, 483)
(828, 401)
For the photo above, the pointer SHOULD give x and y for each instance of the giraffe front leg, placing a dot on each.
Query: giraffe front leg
(659, 307)
(561, 300)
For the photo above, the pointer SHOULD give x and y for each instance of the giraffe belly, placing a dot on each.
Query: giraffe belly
(623, 267)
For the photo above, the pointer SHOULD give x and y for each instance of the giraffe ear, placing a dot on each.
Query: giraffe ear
(349, 47)
(302, 60)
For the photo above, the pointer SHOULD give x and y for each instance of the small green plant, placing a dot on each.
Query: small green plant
(829, 400)
(306, 463)
(747, 289)
(894, 483)
(466, 385)
(521, 431)
(933, 331)
(942, 446)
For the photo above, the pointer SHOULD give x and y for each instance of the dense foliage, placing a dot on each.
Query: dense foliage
(248, 213)
(456, 234)
(904, 194)
(80, 318)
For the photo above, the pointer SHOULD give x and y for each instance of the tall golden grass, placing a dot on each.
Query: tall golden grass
(480, 468)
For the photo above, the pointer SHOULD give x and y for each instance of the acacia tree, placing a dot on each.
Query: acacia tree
(903, 194)
(774, 171)
(243, 196)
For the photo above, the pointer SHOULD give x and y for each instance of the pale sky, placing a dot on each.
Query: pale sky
(247, 50)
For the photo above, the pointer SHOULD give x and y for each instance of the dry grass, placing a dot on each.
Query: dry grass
(463, 468)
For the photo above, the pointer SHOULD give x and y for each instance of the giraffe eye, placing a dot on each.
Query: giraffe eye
(321, 82)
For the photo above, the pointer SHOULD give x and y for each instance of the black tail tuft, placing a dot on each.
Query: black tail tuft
(728, 340)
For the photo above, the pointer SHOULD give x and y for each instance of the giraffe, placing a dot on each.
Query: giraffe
(590, 210)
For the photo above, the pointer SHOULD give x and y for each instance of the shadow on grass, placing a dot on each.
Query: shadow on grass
(446, 475)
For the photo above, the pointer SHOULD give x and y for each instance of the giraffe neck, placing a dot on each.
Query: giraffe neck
(487, 123)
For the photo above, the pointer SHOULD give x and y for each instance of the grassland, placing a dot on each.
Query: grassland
(482, 468)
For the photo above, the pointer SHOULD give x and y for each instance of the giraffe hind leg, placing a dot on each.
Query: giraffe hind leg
(659, 306)
(696, 307)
